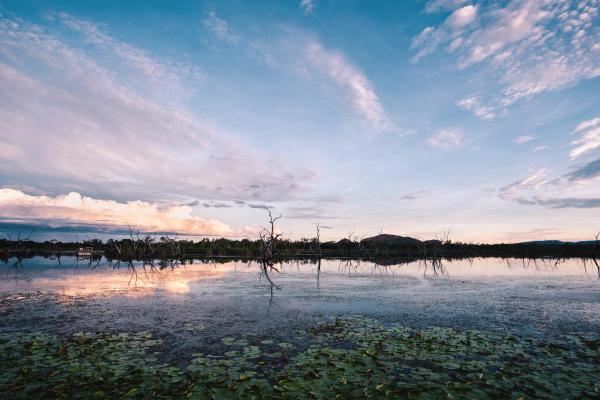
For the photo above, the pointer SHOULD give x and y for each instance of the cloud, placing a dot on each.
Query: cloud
(263, 206)
(179, 76)
(540, 148)
(445, 139)
(450, 30)
(307, 6)
(414, 195)
(443, 5)
(314, 212)
(462, 17)
(590, 123)
(472, 104)
(303, 55)
(543, 190)
(216, 205)
(219, 28)
(589, 141)
(358, 88)
(589, 170)
(524, 47)
(524, 139)
(70, 120)
(577, 188)
(75, 209)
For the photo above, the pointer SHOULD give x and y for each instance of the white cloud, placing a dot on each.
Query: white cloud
(590, 123)
(445, 139)
(443, 5)
(472, 104)
(540, 148)
(524, 139)
(358, 88)
(307, 6)
(75, 209)
(163, 74)
(219, 28)
(463, 16)
(450, 30)
(85, 127)
(590, 140)
(577, 188)
(525, 47)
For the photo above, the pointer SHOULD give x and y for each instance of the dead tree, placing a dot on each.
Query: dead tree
(268, 246)
(597, 252)
(317, 242)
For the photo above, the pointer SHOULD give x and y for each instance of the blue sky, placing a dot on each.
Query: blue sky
(482, 117)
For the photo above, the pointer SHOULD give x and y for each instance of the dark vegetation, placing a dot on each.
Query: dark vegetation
(140, 246)
(341, 358)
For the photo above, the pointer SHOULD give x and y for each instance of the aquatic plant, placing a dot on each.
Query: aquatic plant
(341, 358)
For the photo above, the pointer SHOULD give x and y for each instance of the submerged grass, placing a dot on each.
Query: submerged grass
(345, 358)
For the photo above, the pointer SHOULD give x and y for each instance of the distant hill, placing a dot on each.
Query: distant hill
(558, 242)
(393, 240)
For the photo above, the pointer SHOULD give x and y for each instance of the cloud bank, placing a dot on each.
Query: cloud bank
(75, 209)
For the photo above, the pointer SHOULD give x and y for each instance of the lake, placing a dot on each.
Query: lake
(540, 297)
(221, 332)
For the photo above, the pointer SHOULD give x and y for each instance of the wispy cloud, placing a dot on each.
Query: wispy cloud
(358, 88)
(446, 139)
(71, 121)
(219, 27)
(473, 104)
(414, 195)
(450, 30)
(443, 5)
(530, 46)
(585, 172)
(576, 188)
(73, 208)
(589, 140)
(164, 74)
(307, 6)
(590, 123)
(524, 139)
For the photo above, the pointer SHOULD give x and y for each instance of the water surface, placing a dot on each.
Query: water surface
(197, 304)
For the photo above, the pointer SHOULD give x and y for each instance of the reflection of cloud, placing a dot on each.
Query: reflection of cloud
(73, 208)
(139, 282)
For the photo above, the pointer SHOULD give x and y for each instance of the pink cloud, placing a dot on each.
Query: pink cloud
(74, 209)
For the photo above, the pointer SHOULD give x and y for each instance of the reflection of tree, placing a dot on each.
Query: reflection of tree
(268, 240)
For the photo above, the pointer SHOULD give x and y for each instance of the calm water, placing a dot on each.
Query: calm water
(202, 302)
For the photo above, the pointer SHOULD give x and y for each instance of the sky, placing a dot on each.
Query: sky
(367, 117)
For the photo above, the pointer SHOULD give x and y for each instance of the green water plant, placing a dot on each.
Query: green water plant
(340, 358)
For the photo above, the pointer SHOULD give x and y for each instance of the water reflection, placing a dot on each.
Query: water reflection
(83, 277)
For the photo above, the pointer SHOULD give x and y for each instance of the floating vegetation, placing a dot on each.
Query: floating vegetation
(343, 358)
